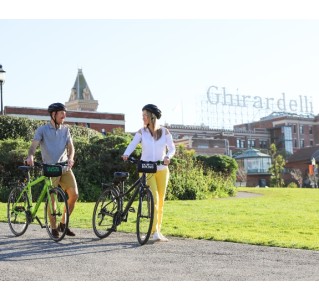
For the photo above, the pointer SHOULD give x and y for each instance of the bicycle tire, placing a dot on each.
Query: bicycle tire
(145, 216)
(105, 210)
(17, 211)
(61, 210)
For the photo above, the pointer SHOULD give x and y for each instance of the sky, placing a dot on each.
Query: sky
(132, 60)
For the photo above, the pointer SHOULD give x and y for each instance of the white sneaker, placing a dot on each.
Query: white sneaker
(156, 237)
(163, 238)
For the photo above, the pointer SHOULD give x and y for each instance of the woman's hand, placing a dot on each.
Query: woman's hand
(166, 160)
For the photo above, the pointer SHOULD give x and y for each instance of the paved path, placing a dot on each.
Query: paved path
(120, 258)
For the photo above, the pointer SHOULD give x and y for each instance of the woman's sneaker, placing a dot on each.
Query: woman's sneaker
(163, 238)
(159, 237)
(156, 237)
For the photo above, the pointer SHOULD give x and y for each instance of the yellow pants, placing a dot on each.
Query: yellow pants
(158, 184)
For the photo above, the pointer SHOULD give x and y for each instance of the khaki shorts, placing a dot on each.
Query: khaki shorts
(66, 180)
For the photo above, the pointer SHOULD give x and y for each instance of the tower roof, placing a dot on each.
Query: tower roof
(81, 87)
(81, 97)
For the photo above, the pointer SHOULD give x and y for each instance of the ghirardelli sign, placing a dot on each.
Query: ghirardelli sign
(298, 104)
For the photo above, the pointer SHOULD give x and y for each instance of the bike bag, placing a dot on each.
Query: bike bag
(52, 170)
(146, 167)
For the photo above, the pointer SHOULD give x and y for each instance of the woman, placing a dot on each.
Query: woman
(157, 144)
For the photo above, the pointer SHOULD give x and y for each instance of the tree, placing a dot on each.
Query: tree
(278, 165)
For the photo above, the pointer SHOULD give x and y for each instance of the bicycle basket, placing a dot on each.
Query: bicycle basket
(146, 167)
(52, 170)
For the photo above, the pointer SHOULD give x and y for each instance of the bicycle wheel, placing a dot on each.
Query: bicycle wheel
(17, 211)
(56, 210)
(104, 212)
(145, 216)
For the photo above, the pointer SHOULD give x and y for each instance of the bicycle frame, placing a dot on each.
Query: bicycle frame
(27, 188)
(138, 185)
(44, 192)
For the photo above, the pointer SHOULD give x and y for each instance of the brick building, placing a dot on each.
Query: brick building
(82, 110)
(289, 132)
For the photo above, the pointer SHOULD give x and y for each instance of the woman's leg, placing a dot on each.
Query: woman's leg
(158, 184)
(162, 181)
(151, 182)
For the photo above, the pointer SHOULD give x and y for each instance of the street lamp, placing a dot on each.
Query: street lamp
(2, 77)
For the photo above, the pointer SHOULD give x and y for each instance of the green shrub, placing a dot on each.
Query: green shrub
(292, 185)
(97, 157)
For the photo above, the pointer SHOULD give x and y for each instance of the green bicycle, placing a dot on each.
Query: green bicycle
(20, 209)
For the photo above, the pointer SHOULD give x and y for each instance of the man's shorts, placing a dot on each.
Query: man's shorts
(66, 180)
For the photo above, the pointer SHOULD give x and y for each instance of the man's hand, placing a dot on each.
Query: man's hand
(70, 163)
(30, 160)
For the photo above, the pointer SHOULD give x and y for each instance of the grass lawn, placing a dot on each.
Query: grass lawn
(280, 217)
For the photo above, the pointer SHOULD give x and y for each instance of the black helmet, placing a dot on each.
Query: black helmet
(153, 109)
(56, 107)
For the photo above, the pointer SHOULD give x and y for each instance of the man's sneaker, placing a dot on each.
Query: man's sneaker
(55, 233)
(68, 232)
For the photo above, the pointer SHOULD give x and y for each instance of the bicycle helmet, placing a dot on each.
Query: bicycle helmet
(56, 107)
(153, 109)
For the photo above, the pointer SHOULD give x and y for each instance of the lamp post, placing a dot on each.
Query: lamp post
(2, 77)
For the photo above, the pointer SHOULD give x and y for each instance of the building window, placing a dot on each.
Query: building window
(263, 144)
(295, 128)
(251, 144)
(202, 147)
(295, 143)
(311, 143)
(310, 129)
(301, 129)
(302, 143)
(88, 125)
(287, 137)
(240, 143)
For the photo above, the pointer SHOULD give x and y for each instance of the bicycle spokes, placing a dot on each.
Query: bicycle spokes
(17, 211)
(145, 215)
(56, 212)
(104, 214)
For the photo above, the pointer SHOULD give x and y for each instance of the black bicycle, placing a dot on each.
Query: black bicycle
(110, 209)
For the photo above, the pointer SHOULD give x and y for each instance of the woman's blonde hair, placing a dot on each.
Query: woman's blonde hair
(156, 128)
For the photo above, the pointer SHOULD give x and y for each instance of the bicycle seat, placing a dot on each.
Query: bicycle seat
(24, 168)
(121, 175)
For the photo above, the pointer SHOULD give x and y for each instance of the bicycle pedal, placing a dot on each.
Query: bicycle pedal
(132, 209)
(29, 216)
(20, 208)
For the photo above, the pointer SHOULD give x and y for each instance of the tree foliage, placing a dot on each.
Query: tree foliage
(277, 167)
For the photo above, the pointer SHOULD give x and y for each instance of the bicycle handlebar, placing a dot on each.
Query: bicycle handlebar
(38, 164)
(135, 161)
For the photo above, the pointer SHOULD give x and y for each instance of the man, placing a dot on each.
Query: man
(56, 146)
